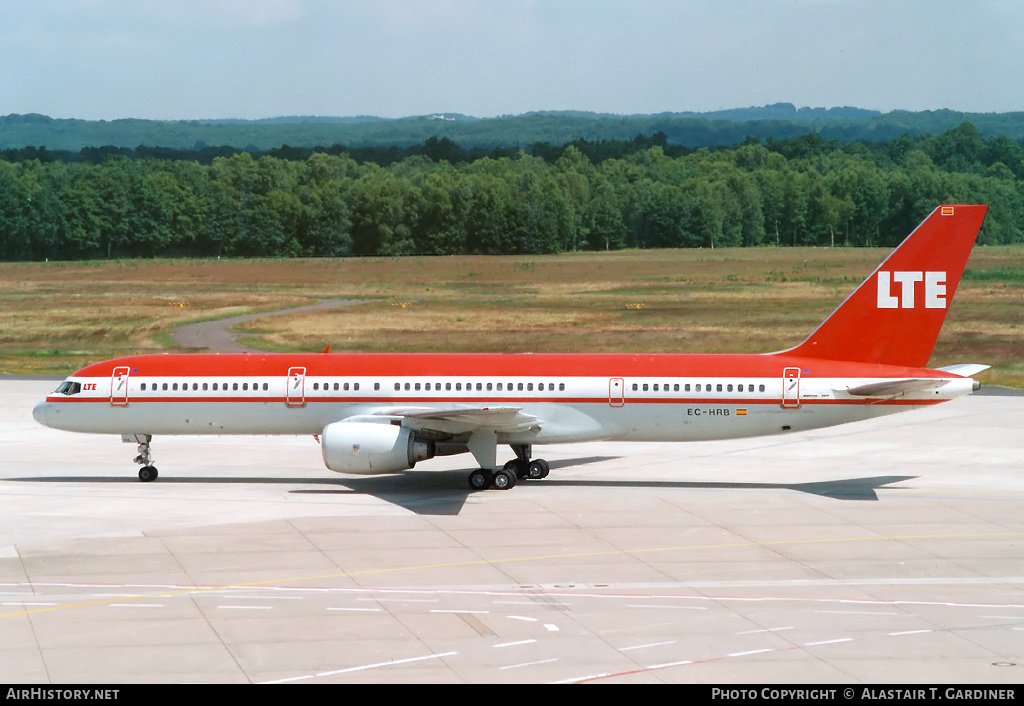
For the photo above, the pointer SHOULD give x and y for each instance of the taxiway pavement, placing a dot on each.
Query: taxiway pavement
(887, 551)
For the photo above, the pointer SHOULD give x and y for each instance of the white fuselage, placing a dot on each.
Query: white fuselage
(574, 409)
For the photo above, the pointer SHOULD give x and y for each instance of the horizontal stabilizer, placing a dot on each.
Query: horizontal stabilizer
(965, 369)
(895, 387)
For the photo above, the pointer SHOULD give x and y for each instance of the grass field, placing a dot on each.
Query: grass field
(57, 317)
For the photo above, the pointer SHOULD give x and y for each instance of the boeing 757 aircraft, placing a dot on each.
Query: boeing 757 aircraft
(385, 413)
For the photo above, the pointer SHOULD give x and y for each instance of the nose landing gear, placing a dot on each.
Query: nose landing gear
(148, 471)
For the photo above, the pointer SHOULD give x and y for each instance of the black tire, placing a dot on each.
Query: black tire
(519, 467)
(480, 479)
(538, 469)
(147, 474)
(504, 479)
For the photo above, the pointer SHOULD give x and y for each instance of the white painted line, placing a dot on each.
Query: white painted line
(520, 617)
(399, 600)
(910, 632)
(362, 668)
(670, 607)
(670, 664)
(470, 612)
(245, 607)
(529, 664)
(113, 595)
(751, 652)
(551, 627)
(136, 605)
(513, 644)
(573, 680)
(828, 642)
(360, 610)
(754, 632)
(27, 604)
(652, 644)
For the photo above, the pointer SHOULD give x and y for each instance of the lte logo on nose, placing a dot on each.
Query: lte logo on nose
(934, 289)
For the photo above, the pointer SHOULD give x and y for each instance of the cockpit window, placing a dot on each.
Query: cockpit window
(69, 388)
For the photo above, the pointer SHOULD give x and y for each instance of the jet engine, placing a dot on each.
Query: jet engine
(368, 448)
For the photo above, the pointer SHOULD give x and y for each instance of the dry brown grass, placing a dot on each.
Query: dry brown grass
(57, 317)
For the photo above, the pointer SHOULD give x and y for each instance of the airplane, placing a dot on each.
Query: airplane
(384, 413)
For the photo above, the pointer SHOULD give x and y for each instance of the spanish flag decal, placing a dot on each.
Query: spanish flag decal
(741, 412)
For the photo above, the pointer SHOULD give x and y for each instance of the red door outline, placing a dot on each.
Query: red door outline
(791, 387)
(119, 387)
(295, 395)
(616, 392)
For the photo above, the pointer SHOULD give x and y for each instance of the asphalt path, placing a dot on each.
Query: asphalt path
(217, 336)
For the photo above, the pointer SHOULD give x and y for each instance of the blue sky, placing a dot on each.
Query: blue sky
(185, 59)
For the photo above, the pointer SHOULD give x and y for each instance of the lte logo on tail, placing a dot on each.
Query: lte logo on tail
(934, 289)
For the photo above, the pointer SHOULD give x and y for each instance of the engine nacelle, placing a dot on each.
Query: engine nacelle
(368, 448)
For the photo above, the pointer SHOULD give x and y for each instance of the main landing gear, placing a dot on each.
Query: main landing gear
(148, 471)
(519, 468)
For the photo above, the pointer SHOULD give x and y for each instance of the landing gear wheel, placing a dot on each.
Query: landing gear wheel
(504, 479)
(538, 469)
(480, 479)
(147, 474)
(519, 467)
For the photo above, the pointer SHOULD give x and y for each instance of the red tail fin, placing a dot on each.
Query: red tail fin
(894, 317)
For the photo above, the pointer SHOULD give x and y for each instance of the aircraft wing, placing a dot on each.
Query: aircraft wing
(458, 420)
(454, 421)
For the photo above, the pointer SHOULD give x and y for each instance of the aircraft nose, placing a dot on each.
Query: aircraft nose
(39, 412)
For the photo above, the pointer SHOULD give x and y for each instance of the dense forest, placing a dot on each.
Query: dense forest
(440, 198)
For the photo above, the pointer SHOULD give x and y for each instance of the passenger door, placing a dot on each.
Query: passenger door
(296, 387)
(119, 387)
